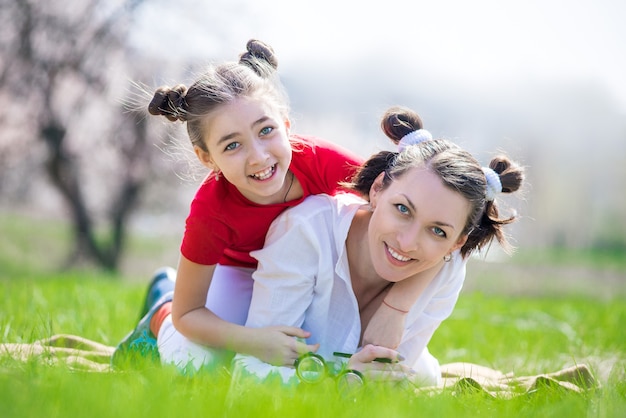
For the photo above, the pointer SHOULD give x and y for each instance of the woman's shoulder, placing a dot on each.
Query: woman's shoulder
(338, 204)
(319, 213)
(319, 218)
(454, 270)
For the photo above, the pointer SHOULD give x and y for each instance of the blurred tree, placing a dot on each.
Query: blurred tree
(60, 66)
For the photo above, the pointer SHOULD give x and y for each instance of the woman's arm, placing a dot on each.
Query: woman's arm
(386, 326)
(436, 305)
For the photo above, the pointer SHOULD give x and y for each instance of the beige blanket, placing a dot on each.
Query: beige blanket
(81, 354)
(76, 352)
(473, 378)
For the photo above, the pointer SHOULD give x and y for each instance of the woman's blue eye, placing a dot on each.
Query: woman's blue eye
(231, 146)
(402, 208)
(439, 232)
(266, 131)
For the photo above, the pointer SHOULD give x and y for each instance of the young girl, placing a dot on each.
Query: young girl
(428, 206)
(237, 120)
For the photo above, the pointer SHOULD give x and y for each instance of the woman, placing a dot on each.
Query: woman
(327, 265)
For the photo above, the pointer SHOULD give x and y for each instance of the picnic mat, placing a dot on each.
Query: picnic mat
(82, 354)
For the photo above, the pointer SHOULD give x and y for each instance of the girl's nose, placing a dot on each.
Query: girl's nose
(258, 153)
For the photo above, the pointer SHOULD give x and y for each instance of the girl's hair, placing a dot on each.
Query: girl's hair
(457, 168)
(253, 76)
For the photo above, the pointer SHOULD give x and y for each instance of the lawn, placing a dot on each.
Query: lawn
(536, 328)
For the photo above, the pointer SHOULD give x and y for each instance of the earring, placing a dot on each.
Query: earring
(217, 175)
(447, 257)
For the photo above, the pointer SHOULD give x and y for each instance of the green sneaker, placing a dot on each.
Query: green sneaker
(162, 282)
(140, 344)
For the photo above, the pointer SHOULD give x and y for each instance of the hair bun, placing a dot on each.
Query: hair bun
(257, 50)
(169, 102)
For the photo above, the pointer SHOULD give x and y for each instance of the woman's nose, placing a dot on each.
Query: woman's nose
(408, 239)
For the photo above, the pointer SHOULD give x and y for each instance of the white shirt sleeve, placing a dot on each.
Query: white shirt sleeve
(285, 283)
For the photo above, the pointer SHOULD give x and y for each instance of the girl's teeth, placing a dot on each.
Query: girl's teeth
(265, 174)
(398, 256)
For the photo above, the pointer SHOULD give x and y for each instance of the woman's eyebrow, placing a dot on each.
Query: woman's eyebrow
(439, 223)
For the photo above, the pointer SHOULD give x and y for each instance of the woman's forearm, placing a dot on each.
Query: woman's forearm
(403, 295)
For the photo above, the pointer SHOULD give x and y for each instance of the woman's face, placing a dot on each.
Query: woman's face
(248, 141)
(416, 221)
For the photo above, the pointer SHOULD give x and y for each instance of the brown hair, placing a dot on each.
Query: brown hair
(457, 168)
(254, 75)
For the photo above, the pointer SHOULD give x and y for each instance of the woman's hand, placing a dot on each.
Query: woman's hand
(364, 362)
(278, 345)
(385, 328)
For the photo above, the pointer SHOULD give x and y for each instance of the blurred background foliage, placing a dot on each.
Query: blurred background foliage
(77, 146)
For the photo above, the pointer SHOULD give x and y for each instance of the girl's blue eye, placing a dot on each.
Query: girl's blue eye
(402, 208)
(231, 146)
(266, 131)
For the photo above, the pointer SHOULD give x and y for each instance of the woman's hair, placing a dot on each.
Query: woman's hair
(457, 168)
(253, 76)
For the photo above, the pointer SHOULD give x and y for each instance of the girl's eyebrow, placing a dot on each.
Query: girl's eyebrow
(231, 135)
(414, 209)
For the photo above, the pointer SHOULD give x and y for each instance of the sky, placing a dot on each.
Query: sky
(477, 43)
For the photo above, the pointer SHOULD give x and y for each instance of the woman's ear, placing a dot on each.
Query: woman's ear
(460, 242)
(205, 158)
(376, 189)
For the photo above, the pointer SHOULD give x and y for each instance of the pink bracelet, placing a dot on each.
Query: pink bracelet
(395, 309)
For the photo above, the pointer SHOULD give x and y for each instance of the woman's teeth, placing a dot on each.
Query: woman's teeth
(397, 256)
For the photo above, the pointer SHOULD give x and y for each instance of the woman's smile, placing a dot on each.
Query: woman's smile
(396, 256)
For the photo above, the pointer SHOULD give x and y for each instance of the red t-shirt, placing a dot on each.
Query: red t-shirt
(223, 226)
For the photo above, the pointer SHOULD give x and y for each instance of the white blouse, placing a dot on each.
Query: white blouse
(303, 280)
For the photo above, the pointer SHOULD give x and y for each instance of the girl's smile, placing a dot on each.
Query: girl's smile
(265, 174)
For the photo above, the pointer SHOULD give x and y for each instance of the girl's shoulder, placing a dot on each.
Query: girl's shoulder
(313, 145)
(307, 144)
(216, 195)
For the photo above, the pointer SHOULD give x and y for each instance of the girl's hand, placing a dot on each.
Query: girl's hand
(363, 361)
(385, 328)
(279, 346)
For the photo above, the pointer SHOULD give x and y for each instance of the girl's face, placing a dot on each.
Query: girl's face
(248, 141)
(416, 221)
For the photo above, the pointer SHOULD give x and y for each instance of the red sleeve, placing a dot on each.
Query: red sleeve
(328, 165)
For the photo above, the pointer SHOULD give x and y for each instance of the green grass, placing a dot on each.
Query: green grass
(527, 334)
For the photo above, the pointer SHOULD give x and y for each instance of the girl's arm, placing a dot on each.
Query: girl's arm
(192, 319)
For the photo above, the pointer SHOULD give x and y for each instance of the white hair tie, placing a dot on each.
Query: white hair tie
(494, 185)
(414, 138)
